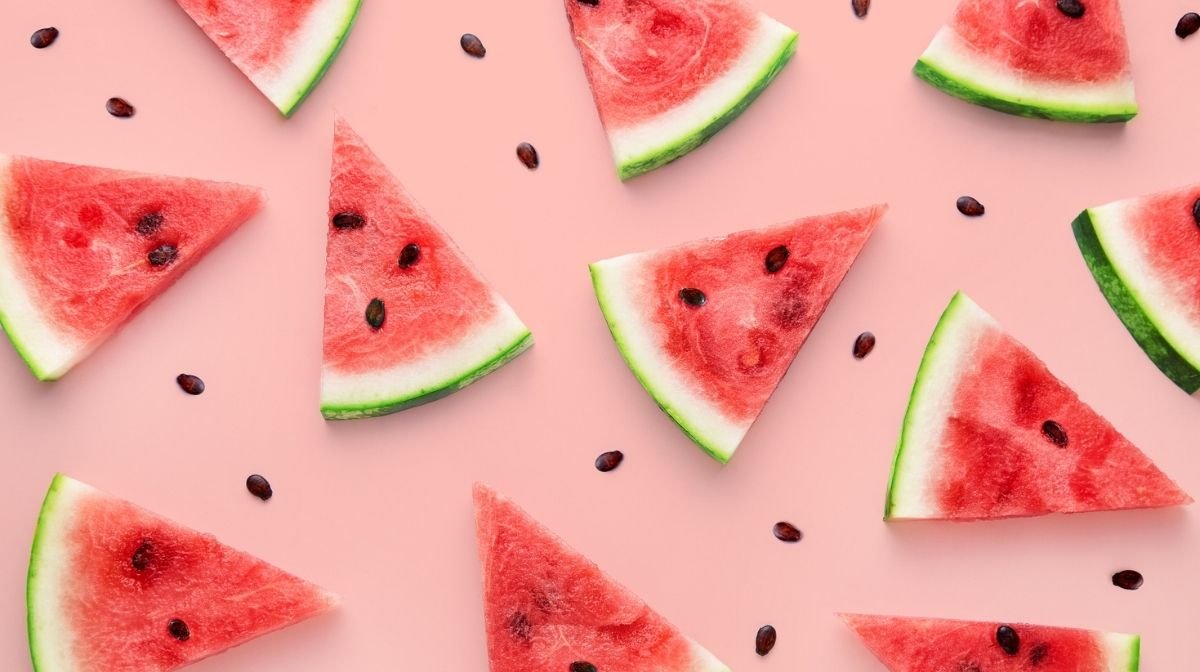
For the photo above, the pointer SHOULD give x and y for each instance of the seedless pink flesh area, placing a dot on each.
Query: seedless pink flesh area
(1164, 224)
(254, 35)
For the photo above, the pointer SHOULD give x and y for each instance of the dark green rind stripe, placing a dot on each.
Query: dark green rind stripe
(1164, 355)
(35, 555)
(337, 48)
(374, 409)
(675, 149)
(22, 349)
(975, 93)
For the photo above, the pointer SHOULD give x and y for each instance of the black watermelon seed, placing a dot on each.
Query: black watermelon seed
(44, 37)
(190, 384)
(1055, 432)
(610, 460)
(861, 7)
(472, 45)
(179, 630)
(1008, 639)
(259, 487)
(582, 666)
(1128, 579)
(764, 641)
(376, 314)
(1038, 653)
(787, 532)
(348, 220)
(528, 155)
(520, 627)
(119, 107)
(149, 223)
(1196, 211)
(864, 344)
(693, 297)
(410, 255)
(162, 255)
(1188, 24)
(142, 556)
(970, 207)
(776, 258)
(590, 3)
(1072, 8)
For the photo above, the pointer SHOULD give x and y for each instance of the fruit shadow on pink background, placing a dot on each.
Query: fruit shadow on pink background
(380, 510)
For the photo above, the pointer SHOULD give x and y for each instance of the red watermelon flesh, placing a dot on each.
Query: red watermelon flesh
(107, 578)
(77, 266)
(1155, 223)
(546, 606)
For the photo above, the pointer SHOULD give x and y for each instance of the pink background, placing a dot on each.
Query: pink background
(380, 511)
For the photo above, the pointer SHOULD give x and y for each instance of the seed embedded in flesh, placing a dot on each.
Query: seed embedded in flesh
(376, 314)
(582, 666)
(787, 532)
(162, 255)
(970, 207)
(520, 626)
(190, 384)
(179, 630)
(348, 220)
(472, 45)
(1038, 653)
(861, 7)
(528, 155)
(608, 461)
(149, 223)
(259, 487)
(44, 37)
(1008, 639)
(776, 258)
(864, 344)
(1128, 579)
(764, 641)
(692, 297)
(142, 556)
(1072, 8)
(589, 3)
(1055, 432)
(1196, 211)
(410, 255)
(1188, 24)
(119, 107)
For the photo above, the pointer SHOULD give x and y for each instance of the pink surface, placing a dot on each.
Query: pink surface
(380, 510)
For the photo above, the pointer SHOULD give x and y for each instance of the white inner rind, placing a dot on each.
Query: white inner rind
(1119, 650)
(410, 380)
(312, 45)
(1139, 273)
(621, 282)
(704, 661)
(50, 574)
(948, 358)
(634, 143)
(954, 57)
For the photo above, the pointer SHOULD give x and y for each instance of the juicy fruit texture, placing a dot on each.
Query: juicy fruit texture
(437, 327)
(1029, 58)
(78, 249)
(667, 75)
(712, 364)
(991, 433)
(546, 606)
(1145, 255)
(928, 644)
(115, 587)
(283, 46)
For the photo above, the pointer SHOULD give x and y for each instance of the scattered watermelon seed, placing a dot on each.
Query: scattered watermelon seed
(1055, 432)
(44, 37)
(528, 155)
(590, 3)
(179, 630)
(119, 107)
(190, 384)
(1072, 8)
(970, 207)
(410, 255)
(693, 297)
(520, 626)
(582, 666)
(472, 45)
(864, 344)
(375, 314)
(149, 223)
(141, 557)
(1196, 211)
(1128, 579)
(787, 532)
(1188, 24)
(348, 220)
(259, 487)
(162, 255)
(1038, 653)
(861, 7)
(609, 461)
(1008, 639)
(764, 641)
(776, 258)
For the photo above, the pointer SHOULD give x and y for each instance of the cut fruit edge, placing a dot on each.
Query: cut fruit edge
(317, 43)
(953, 66)
(643, 147)
(1128, 281)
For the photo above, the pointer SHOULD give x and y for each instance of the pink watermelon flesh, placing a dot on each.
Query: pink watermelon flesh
(546, 606)
(1156, 224)
(255, 35)
(83, 263)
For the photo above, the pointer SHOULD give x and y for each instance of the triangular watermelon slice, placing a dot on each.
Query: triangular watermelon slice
(1031, 58)
(710, 327)
(82, 249)
(667, 75)
(991, 433)
(408, 319)
(941, 645)
(283, 46)
(1145, 255)
(546, 607)
(115, 587)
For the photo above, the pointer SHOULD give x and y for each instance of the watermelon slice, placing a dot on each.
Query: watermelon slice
(711, 360)
(283, 46)
(991, 433)
(667, 75)
(438, 325)
(1030, 58)
(929, 644)
(546, 606)
(1145, 255)
(115, 587)
(82, 249)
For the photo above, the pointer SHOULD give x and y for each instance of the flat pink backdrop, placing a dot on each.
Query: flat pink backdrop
(380, 510)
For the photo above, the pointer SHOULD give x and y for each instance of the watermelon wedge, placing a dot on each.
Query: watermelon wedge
(929, 644)
(82, 249)
(1145, 255)
(547, 607)
(710, 327)
(991, 433)
(407, 318)
(283, 46)
(1030, 58)
(667, 75)
(115, 587)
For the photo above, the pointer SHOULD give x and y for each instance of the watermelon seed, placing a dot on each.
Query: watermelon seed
(787, 532)
(410, 255)
(1072, 8)
(375, 314)
(179, 630)
(610, 460)
(190, 384)
(1188, 23)
(693, 297)
(590, 3)
(1055, 432)
(119, 107)
(1008, 639)
(150, 223)
(970, 207)
(861, 7)
(259, 487)
(764, 641)
(1038, 653)
(162, 255)
(864, 344)
(528, 155)
(472, 45)
(520, 626)
(142, 556)
(776, 258)
(1196, 211)
(1128, 579)
(44, 37)
(348, 220)
(582, 666)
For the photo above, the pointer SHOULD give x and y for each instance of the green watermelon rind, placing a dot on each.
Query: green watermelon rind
(24, 351)
(1137, 314)
(47, 518)
(289, 103)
